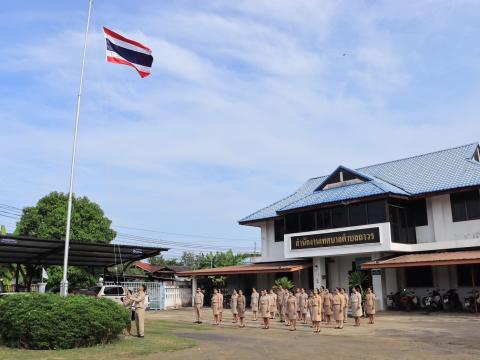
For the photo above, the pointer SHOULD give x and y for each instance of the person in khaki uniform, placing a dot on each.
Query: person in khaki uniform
(292, 311)
(345, 308)
(280, 298)
(215, 307)
(254, 303)
(338, 306)
(316, 304)
(233, 305)
(297, 297)
(327, 301)
(286, 295)
(265, 308)
(303, 305)
(138, 301)
(309, 306)
(370, 305)
(356, 305)
(273, 304)
(127, 302)
(198, 304)
(220, 305)
(241, 305)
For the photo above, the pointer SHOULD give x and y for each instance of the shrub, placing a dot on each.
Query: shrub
(48, 321)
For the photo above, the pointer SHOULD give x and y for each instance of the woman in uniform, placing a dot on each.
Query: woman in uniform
(241, 304)
(356, 305)
(345, 308)
(370, 305)
(128, 303)
(327, 301)
(215, 307)
(316, 305)
(286, 295)
(254, 303)
(220, 305)
(233, 305)
(292, 311)
(338, 307)
(265, 308)
(273, 304)
(309, 306)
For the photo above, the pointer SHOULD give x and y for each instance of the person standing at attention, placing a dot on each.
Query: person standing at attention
(303, 305)
(309, 306)
(356, 305)
(286, 294)
(327, 306)
(265, 308)
(215, 307)
(338, 306)
(297, 297)
(292, 311)
(345, 308)
(280, 298)
(198, 304)
(273, 304)
(220, 305)
(138, 301)
(254, 303)
(241, 304)
(370, 305)
(316, 302)
(233, 305)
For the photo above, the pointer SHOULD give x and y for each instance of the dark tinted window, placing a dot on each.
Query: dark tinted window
(307, 221)
(402, 224)
(279, 229)
(419, 208)
(358, 214)
(292, 223)
(324, 219)
(376, 211)
(419, 276)
(340, 217)
(113, 291)
(465, 205)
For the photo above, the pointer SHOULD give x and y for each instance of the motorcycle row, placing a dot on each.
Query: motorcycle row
(434, 301)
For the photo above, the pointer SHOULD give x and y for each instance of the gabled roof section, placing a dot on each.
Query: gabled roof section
(442, 170)
(343, 176)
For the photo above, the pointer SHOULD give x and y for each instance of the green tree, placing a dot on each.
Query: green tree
(357, 279)
(160, 260)
(284, 282)
(47, 219)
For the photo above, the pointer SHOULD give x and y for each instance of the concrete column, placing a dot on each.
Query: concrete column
(194, 289)
(378, 281)
(319, 272)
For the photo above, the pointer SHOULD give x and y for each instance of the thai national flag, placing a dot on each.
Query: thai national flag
(121, 50)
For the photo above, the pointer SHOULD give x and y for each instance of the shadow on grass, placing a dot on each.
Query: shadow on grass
(159, 337)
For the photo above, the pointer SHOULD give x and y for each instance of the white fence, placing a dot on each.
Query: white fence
(160, 296)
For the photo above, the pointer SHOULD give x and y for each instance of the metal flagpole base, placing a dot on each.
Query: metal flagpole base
(63, 288)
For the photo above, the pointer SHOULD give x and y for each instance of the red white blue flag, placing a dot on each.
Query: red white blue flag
(121, 50)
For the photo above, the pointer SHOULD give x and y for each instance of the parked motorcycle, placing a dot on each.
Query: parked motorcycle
(403, 300)
(433, 301)
(451, 301)
(471, 300)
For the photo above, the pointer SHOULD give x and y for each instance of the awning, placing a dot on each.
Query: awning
(255, 268)
(29, 250)
(426, 259)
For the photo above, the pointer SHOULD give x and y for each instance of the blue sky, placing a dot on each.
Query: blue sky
(246, 100)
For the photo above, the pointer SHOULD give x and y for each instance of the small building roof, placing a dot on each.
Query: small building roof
(426, 259)
(30, 250)
(443, 170)
(255, 268)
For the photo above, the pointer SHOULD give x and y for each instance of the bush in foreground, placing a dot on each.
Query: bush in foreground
(48, 321)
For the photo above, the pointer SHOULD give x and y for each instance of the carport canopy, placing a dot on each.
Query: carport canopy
(255, 268)
(35, 251)
(425, 259)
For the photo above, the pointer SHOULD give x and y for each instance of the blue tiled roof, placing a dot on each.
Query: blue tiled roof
(422, 174)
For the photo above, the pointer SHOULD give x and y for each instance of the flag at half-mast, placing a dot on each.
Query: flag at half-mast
(121, 50)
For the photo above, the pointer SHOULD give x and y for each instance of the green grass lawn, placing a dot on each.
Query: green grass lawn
(159, 337)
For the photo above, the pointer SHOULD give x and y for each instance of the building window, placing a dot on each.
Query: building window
(465, 205)
(376, 212)
(307, 221)
(340, 217)
(324, 219)
(464, 275)
(419, 208)
(292, 223)
(279, 228)
(358, 214)
(419, 277)
(402, 224)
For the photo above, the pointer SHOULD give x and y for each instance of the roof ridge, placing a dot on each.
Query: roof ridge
(420, 155)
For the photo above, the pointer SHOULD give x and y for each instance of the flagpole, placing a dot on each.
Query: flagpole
(64, 282)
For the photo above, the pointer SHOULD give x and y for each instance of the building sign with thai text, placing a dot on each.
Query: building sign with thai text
(351, 237)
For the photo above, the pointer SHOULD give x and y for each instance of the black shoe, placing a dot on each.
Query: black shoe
(141, 336)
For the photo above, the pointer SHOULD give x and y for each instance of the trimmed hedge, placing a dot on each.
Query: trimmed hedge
(48, 321)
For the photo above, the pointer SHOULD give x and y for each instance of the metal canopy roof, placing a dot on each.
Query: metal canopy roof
(30, 250)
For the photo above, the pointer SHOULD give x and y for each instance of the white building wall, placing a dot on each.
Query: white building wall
(271, 250)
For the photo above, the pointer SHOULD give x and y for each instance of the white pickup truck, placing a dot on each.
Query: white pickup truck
(113, 292)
